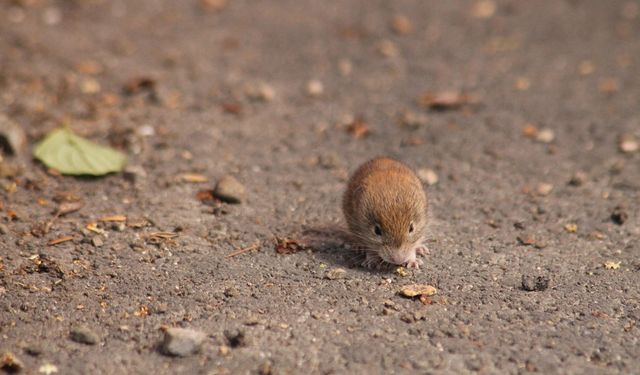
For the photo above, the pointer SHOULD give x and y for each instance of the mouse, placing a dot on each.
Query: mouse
(385, 207)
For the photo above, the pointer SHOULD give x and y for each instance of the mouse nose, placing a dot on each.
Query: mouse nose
(399, 257)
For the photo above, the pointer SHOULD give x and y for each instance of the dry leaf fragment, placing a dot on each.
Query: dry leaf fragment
(139, 84)
(68, 207)
(289, 246)
(93, 227)
(414, 290)
(530, 131)
(59, 240)
(141, 311)
(213, 5)
(445, 100)
(358, 128)
(571, 227)
(113, 218)
(611, 265)
(193, 177)
(48, 369)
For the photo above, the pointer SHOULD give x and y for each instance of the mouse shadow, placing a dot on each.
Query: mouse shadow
(331, 244)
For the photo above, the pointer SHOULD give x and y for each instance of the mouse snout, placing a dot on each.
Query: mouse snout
(400, 257)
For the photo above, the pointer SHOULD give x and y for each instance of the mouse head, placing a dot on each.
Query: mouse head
(392, 226)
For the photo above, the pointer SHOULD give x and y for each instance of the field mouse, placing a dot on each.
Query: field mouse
(385, 208)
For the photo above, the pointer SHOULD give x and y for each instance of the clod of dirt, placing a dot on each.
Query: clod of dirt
(182, 342)
(236, 338)
(229, 190)
(10, 363)
(335, 274)
(414, 290)
(84, 335)
(534, 283)
(578, 179)
(428, 176)
(13, 140)
(619, 215)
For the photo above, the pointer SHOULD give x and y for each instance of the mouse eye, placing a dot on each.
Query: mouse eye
(377, 230)
(411, 228)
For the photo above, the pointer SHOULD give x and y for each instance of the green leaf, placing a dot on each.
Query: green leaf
(73, 155)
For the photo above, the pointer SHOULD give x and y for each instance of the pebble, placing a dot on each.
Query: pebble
(97, 241)
(84, 335)
(14, 139)
(335, 274)
(578, 179)
(413, 120)
(544, 189)
(260, 91)
(182, 342)
(428, 176)
(314, 88)
(629, 144)
(4, 229)
(401, 25)
(545, 136)
(388, 49)
(534, 283)
(230, 190)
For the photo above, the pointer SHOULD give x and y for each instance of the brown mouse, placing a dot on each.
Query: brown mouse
(385, 208)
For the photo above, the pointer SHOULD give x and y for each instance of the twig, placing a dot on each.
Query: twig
(245, 250)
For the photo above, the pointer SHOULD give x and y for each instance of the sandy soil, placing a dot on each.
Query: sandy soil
(537, 98)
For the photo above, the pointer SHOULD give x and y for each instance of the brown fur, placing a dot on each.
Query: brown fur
(387, 193)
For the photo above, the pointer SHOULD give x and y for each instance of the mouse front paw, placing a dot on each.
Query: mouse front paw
(414, 263)
(422, 250)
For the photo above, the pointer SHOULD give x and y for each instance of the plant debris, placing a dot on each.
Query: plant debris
(414, 290)
(446, 100)
(113, 219)
(289, 246)
(71, 154)
(243, 250)
(193, 177)
(358, 128)
(59, 240)
(611, 265)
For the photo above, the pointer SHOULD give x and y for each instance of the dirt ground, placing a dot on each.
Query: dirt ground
(521, 108)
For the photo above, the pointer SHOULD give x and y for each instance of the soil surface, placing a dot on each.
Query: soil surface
(525, 111)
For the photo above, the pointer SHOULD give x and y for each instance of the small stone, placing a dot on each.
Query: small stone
(229, 189)
(84, 335)
(401, 25)
(182, 342)
(48, 369)
(388, 49)
(89, 86)
(97, 241)
(4, 229)
(578, 179)
(526, 239)
(13, 139)
(314, 88)
(629, 144)
(428, 176)
(534, 283)
(134, 173)
(544, 189)
(413, 120)
(10, 363)
(260, 91)
(545, 136)
(336, 273)
(571, 227)
(345, 67)
(619, 215)
(484, 9)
